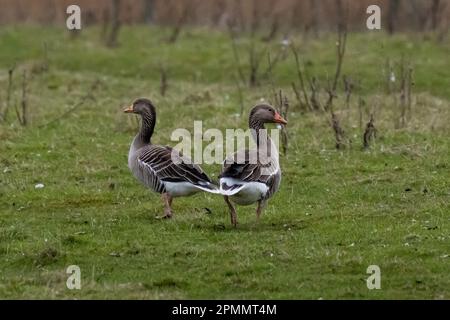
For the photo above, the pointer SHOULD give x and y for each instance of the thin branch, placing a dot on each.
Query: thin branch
(300, 77)
(179, 25)
(340, 51)
(24, 121)
(370, 133)
(339, 133)
(8, 93)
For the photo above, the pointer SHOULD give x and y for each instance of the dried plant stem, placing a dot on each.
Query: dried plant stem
(348, 87)
(24, 120)
(282, 105)
(361, 104)
(4, 114)
(179, 25)
(116, 24)
(370, 133)
(340, 51)
(284, 133)
(315, 103)
(297, 94)
(273, 31)
(339, 133)
(410, 83)
(301, 78)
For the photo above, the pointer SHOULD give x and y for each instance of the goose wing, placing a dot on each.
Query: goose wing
(244, 166)
(166, 164)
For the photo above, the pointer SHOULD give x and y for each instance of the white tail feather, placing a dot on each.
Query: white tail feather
(211, 188)
(233, 186)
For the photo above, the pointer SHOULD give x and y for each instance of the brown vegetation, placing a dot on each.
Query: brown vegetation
(246, 15)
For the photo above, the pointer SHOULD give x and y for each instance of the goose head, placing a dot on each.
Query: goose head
(264, 113)
(146, 110)
(141, 106)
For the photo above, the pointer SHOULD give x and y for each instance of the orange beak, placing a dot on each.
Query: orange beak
(279, 119)
(129, 109)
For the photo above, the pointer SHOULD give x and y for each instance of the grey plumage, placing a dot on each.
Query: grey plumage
(160, 168)
(250, 176)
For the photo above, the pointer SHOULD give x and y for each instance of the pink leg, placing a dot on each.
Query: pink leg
(167, 206)
(232, 211)
(259, 209)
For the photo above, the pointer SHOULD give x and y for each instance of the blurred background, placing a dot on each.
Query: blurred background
(250, 15)
(365, 156)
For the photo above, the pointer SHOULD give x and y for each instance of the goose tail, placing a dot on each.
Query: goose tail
(228, 189)
(208, 187)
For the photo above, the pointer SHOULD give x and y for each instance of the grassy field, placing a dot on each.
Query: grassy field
(337, 212)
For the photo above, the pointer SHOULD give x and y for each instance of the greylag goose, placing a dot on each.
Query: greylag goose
(250, 176)
(161, 168)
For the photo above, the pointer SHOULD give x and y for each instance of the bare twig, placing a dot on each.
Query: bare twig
(370, 133)
(339, 133)
(410, 84)
(340, 46)
(24, 120)
(4, 114)
(315, 102)
(297, 95)
(282, 105)
(116, 24)
(284, 133)
(361, 104)
(272, 63)
(301, 78)
(179, 24)
(273, 31)
(348, 87)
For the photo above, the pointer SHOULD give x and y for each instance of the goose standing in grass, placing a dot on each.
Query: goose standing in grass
(253, 176)
(160, 168)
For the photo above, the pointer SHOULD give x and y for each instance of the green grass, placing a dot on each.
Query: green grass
(335, 214)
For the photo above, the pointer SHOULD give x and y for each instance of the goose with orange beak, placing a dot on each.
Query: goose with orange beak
(160, 168)
(253, 176)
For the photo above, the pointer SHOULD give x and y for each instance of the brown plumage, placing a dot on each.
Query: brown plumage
(160, 168)
(250, 176)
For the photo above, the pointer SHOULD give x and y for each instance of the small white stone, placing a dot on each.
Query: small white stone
(39, 186)
(285, 42)
(392, 77)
